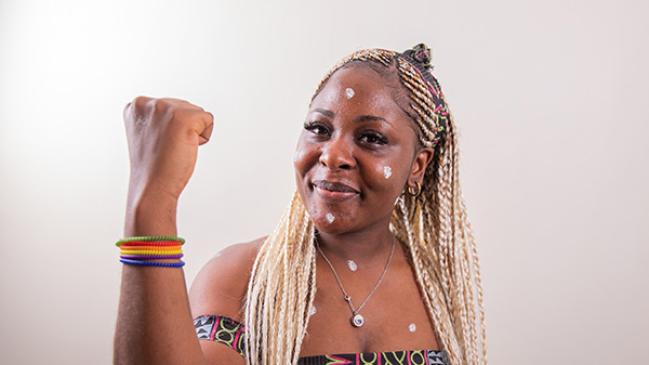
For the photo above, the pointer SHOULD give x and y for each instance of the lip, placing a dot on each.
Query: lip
(334, 190)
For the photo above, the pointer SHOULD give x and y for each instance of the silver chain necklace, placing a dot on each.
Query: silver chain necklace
(357, 319)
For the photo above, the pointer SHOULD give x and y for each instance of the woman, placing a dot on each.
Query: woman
(373, 262)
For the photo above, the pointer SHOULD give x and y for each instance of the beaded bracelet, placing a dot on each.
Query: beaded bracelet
(145, 250)
(156, 248)
(150, 239)
(150, 257)
(145, 263)
(151, 243)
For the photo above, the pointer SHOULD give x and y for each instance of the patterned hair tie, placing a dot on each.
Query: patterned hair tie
(420, 55)
(420, 58)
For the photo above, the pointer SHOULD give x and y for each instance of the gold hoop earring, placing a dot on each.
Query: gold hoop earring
(414, 191)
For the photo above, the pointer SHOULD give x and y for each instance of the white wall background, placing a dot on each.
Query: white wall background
(551, 98)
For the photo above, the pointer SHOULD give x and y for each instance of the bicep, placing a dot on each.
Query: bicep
(219, 289)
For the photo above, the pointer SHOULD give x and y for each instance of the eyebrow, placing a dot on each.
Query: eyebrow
(360, 118)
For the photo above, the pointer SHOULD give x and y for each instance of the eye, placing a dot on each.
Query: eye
(373, 138)
(316, 128)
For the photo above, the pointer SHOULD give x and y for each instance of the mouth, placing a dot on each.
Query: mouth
(331, 190)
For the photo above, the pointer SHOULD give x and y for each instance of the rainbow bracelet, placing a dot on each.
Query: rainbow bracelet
(146, 250)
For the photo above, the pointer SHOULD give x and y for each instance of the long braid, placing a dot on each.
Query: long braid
(433, 227)
(465, 261)
(478, 280)
(433, 303)
(459, 278)
(449, 196)
(274, 292)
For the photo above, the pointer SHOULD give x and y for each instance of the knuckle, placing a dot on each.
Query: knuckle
(177, 115)
(188, 105)
(140, 102)
(161, 106)
(203, 116)
(187, 117)
(210, 117)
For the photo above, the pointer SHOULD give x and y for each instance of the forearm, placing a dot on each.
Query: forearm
(154, 324)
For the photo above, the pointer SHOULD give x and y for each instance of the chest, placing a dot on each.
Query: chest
(395, 315)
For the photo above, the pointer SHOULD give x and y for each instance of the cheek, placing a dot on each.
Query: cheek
(387, 171)
(386, 178)
(298, 157)
(304, 157)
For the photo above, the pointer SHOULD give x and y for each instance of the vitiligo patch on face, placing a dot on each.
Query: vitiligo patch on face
(349, 92)
(387, 171)
(330, 218)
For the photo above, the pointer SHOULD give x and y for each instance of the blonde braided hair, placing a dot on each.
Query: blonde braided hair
(432, 225)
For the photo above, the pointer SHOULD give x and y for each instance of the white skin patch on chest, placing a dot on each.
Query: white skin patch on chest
(330, 218)
(349, 93)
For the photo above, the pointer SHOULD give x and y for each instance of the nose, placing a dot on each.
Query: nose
(338, 154)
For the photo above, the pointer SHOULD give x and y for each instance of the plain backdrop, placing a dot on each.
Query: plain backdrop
(550, 97)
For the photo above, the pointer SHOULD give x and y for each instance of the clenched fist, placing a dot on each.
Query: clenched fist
(163, 138)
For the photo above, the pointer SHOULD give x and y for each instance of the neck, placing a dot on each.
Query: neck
(363, 246)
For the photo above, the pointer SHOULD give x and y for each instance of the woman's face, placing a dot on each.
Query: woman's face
(356, 153)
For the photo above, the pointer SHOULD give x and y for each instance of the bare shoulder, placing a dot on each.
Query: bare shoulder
(220, 286)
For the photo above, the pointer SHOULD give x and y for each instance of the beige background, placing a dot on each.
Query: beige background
(551, 98)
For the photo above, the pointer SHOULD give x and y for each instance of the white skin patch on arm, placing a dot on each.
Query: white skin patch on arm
(330, 218)
(387, 171)
(349, 92)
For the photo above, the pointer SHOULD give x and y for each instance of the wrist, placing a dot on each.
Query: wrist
(151, 215)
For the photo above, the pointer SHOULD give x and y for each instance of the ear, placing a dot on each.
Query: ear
(423, 157)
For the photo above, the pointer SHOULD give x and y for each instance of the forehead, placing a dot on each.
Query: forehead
(372, 94)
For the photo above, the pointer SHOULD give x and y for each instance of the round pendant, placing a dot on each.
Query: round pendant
(358, 320)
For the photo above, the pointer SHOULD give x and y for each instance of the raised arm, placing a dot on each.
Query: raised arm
(154, 323)
(219, 289)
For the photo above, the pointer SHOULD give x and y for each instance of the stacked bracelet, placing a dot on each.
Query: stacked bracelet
(145, 250)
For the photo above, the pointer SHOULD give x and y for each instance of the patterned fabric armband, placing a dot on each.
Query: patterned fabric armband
(211, 327)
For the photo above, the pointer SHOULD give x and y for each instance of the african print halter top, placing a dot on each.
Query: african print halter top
(231, 333)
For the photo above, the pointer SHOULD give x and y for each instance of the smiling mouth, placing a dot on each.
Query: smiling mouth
(333, 191)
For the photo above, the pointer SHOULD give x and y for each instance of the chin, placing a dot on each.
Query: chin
(332, 228)
(340, 223)
(332, 215)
